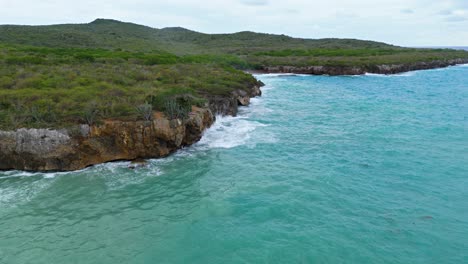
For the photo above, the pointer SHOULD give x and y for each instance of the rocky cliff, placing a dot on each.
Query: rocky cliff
(358, 70)
(229, 105)
(84, 145)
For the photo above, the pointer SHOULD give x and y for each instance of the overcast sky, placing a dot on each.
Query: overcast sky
(401, 22)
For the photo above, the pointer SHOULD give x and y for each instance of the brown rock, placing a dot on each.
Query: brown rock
(59, 150)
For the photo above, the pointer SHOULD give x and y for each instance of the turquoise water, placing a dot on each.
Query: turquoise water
(352, 169)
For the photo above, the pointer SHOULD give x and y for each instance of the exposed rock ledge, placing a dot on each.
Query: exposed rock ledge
(358, 70)
(229, 105)
(83, 146)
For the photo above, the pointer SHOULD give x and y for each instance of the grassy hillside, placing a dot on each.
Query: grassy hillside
(59, 75)
(111, 34)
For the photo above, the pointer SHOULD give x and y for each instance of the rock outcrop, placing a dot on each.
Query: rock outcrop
(358, 70)
(84, 145)
(229, 105)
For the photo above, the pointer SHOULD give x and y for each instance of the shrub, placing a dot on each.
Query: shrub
(174, 110)
(90, 114)
(6, 82)
(145, 111)
(85, 57)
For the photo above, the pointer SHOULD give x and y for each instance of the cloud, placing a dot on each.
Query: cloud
(407, 11)
(461, 3)
(455, 15)
(255, 2)
(456, 18)
(445, 13)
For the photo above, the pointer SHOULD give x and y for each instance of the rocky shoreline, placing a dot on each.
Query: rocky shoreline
(359, 70)
(83, 146)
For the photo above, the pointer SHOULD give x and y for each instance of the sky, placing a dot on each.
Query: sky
(399, 22)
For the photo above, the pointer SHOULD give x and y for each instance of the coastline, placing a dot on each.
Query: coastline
(56, 150)
(359, 70)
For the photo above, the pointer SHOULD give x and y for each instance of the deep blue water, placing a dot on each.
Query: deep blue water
(351, 169)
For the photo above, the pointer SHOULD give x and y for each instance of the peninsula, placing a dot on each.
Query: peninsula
(76, 95)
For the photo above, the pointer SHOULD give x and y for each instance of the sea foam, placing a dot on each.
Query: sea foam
(405, 74)
(228, 132)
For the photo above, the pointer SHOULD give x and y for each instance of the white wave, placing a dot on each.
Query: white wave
(118, 175)
(349, 75)
(256, 109)
(404, 74)
(463, 65)
(375, 74)
(22, 174)
(105, 168)
(228, 132)
(263, 75)
(18, 192)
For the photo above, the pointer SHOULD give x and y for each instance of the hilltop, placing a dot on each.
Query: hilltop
(113, 34)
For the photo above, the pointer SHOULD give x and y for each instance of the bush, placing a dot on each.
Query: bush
(85, 57)
(174, 110)
(90, 114)
(25, 60)
(145, 111)
(6, 82)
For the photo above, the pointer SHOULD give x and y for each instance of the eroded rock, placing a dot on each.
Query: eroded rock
(60, 150)
(356, 70)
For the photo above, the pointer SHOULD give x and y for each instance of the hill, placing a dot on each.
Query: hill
(112, 34)
(256, 50)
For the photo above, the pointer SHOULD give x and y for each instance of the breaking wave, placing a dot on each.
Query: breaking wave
(405, 74)
(229, 132)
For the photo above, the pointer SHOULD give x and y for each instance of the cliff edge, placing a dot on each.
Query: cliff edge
(83, 145)
(359, 70)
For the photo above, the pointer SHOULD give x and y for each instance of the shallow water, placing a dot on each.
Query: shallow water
(351, 169)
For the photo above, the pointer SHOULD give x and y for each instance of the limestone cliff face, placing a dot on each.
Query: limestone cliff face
(357, 70)
(83, 145)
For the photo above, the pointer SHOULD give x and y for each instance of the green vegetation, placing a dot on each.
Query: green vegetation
(60, 75)
(45, 87)
(354, 57)
(243, 50)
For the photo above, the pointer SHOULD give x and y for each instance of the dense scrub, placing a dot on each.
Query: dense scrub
(111, 34)
(353, 57)
(241, 50)
(44, 87)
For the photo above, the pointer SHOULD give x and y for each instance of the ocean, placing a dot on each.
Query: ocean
(320, 169)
